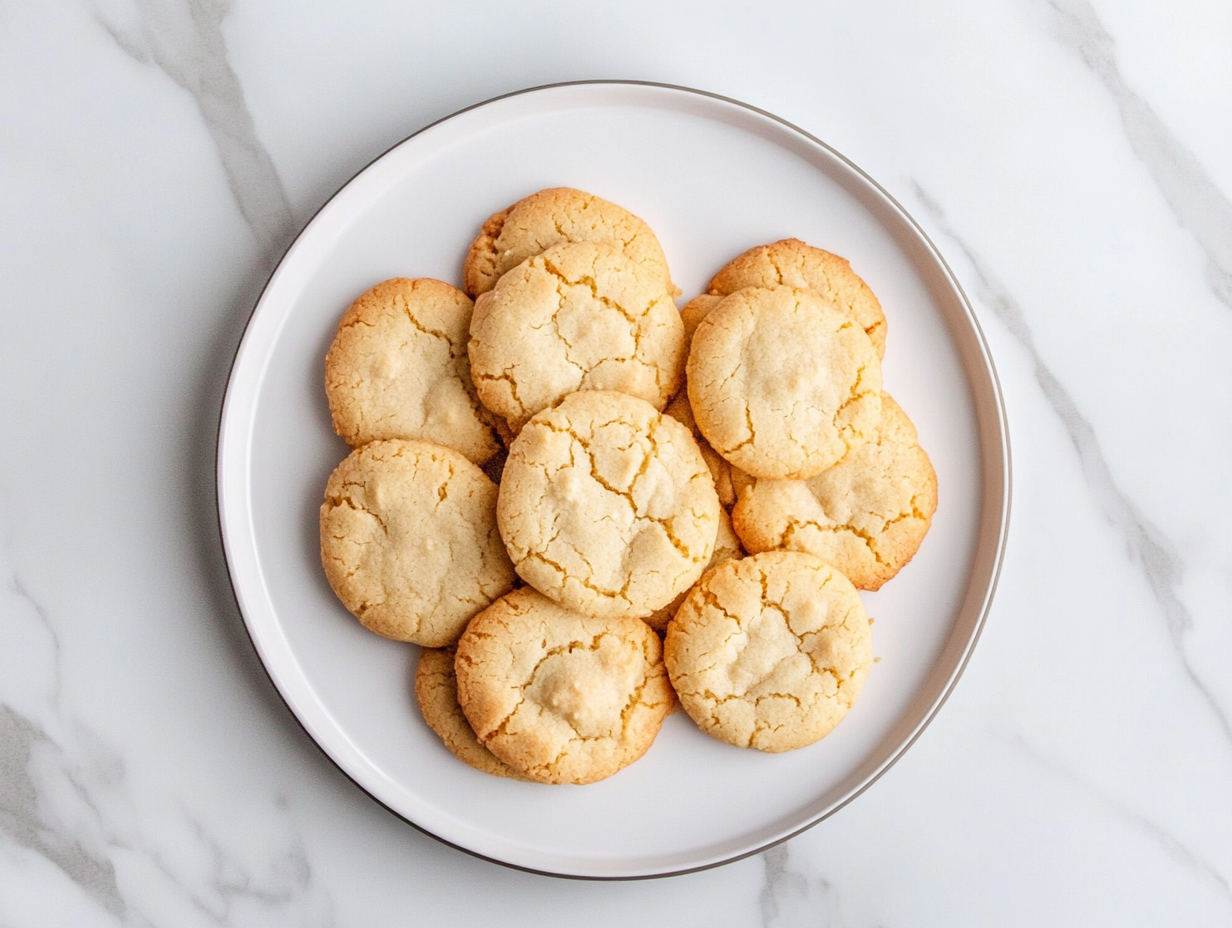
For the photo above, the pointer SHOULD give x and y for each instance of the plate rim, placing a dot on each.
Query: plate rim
(1001, 444)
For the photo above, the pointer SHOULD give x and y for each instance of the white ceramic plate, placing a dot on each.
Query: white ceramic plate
(712, 177)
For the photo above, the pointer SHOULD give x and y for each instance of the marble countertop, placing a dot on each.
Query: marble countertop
(1073, 161)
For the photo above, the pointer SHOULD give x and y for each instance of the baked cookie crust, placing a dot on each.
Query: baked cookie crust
(866, 515)
(579, 316)
(409, 540)
(397, 368)
(769, 652)
(606, 506)
(436, 691)
(781, 383)
(792, 263)
(550, 217)
(726, 547)
(559, 696)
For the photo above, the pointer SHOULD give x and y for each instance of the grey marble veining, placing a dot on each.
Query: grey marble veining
(65, 797)
(69, 802)
(792, 897)
(1161, 566)
(1199, 204)
(1202, 869)
(22, 823)
(185, 41)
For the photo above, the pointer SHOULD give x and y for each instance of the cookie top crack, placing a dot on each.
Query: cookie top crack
(397, 368)
(769, 652)
(579, 316)
(436, 691)
(409, 540)
(866, 515)
(792, 263)
(551, 217)
(606, 506)
(561, 697)
(781, 383)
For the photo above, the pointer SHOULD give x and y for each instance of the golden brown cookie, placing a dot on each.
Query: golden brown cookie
(436, 690)
(579, 316)
(695, 311)
(562, 697)
(866, 515)
(770, 651)
(550, 217)
(781, 383)
(792, 263)
(409, 540)
(726, 547)
(606, 505)
(397, 368)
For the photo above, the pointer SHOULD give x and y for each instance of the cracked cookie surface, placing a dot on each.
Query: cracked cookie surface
(781, 383)
(409, 540)
(559, 696)
(579, 316)
(397, 368)
(792, 263)
(866, 515)
(726, 547)
(550, 217)
(436, 691)
(769, 652)
(606, 505)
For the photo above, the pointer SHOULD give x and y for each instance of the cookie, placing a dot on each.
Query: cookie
(792, 263)
(866, 515)
(559, 696)
(727, 478)
(695, 311)
(606, 505)
(726, 547)
(769, 652)
(436, 690)
(397, 368)
(781, 383)
(409, 540)
(579, 316)
(551, 217)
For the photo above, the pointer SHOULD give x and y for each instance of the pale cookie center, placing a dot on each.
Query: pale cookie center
(591, 329)
(768, 641)
(589, 687)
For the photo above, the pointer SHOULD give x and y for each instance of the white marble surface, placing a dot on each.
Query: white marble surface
(1072, 159)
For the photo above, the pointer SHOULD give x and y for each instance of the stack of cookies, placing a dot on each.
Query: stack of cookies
(545, 478)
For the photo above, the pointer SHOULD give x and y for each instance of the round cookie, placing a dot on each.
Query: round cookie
(781, 383)
(726, 547)
(436, 691)
(562, 697)
(397, 368)
(866, 515)
(550, 217)
(606, 505)
(769, 652)
(409, 540)
(579, 316)
(792, 263)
